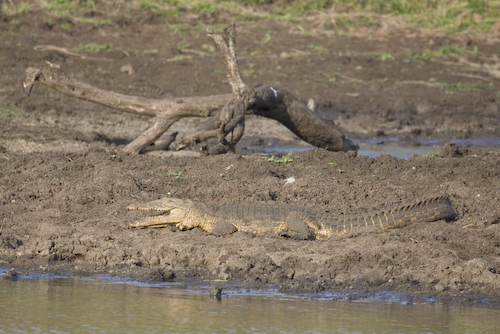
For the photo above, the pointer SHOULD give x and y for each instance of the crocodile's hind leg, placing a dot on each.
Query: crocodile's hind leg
(298, 228)
(223, 228)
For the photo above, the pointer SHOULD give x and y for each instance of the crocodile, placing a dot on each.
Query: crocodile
(297, 222)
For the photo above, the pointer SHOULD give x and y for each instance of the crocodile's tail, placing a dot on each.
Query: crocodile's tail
(424, 211)
(421, 212)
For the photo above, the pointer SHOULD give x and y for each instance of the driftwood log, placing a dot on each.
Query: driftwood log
(227, 112)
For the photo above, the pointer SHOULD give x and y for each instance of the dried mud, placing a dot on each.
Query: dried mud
(65, 184)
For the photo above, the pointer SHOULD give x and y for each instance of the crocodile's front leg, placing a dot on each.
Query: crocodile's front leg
(223, 228)
(297, 227)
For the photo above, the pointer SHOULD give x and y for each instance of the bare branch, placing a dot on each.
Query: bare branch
(225, 42)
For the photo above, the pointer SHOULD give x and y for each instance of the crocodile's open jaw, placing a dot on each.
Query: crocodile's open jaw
(160, 218)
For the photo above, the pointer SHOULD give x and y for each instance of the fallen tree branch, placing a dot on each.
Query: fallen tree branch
(227, 111)
(167, 111)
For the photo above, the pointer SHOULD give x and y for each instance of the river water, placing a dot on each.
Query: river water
(65, 304)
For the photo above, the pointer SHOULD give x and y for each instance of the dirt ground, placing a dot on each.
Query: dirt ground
(65, 184)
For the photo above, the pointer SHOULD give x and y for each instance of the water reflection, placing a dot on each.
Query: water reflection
(71, 305)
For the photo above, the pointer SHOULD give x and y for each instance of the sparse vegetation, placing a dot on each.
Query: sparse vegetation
(450, 16)
(94, 47)
(284, 159)
(383, 56)
(227, 176)
(96, 22)
(445, 51)
(176, 175)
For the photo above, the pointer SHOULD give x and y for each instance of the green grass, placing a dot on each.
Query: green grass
(450, 16)
(14, 113)
(284, 159)
(445, 51)
(176, 175)
(96, 22)
(383, 56)
(94, 47)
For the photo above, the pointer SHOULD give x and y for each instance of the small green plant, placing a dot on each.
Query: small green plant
(66, 26)
(332, 163)
(340, 170)
(471, 218)
(50, 22)
(177, 27)
(12, 8)
(284, 159)
(156, 8)
(226, 176)
(383, 56)
(96, 22)
(183, 45)
(15, 113)
(94, 47)
(445, 51)
(208, 47)
(435, 154)
(61, 182)
(268, 37)
(248, 17)
(176, 175)
(205, 7)
(250, 72)
(317, 47)
(344, 22)
(103, 72)
(62, 8)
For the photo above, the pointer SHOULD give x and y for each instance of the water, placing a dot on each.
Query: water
(40, 304)
(397, 147)
(394, 146)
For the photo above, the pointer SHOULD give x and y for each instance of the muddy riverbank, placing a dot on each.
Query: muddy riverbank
(65, 184)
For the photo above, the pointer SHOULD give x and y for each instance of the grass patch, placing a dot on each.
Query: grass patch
(284, 159)
(227, 176)
(96, 22)
(383, 56)
(162, 8)
(450, 16)
(445, 51)
(66, 26)
(14, 7)
(178, 27)
(435, 154)
(183, 45)
(94, 47)
(176, 175)
(317, 47)
(463, 87)
(15, 113)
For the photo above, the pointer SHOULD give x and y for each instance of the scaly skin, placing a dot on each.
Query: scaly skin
(286, 218)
